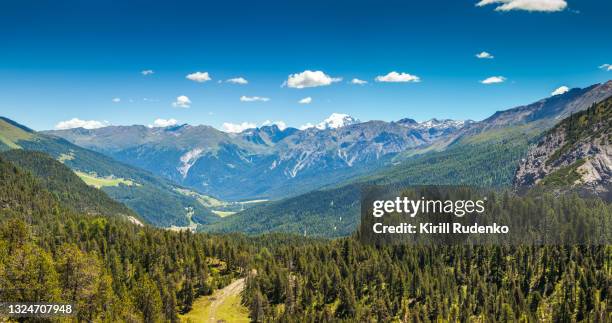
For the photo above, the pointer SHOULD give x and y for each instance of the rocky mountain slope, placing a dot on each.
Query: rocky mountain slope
(265, 162)
(575, 153)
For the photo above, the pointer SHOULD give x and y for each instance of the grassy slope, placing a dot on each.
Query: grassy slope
(564, 176)
(10, 133)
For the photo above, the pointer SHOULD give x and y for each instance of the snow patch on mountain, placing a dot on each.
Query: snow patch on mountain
(302, 162)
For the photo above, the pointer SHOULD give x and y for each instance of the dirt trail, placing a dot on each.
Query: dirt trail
(221, 296)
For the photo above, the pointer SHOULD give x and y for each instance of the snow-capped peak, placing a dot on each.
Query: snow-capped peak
(336, 120)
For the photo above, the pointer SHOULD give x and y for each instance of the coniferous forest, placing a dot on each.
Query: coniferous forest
(113, 270)
(203, 161)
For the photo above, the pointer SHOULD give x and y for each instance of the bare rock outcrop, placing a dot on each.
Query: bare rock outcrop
(577, 153)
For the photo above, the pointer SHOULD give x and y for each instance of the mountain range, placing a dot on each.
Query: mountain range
(169, 175)
(484, 154)
(267, 162)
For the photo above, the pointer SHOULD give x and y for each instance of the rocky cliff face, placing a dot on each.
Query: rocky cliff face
(577, 153)
(592, 161)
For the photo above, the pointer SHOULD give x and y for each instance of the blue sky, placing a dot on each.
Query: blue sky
(61, 60)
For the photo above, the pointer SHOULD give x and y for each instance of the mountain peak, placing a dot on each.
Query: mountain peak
(176, 127)
(336, 120)
(407, 121)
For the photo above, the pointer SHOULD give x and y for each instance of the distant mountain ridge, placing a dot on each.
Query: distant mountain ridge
(551, 110)
(264, 162)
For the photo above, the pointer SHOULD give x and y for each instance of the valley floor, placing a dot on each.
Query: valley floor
(222, 306)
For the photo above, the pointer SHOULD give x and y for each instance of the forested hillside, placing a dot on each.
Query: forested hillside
(116, 271)
(71, 192)
(347, 281)
(109, 268)
(155, 199)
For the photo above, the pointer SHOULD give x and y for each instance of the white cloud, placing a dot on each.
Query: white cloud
(78, 123)
(280, 124)
(493, 80)
(306, 100)
(484, 55)
(560, 90)
(528, 5)
(147, 72)
(199, 77)
(395, 77)
(306, 126)
(116, 100)
(358, 81)
(161, 123)
(310, 78)
(245, 98)
(237, 80)
(182, 101)
(606, 67)
(237, 127)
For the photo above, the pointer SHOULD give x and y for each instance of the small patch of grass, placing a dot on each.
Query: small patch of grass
(565, 176)
(223, 213)
(221, 208)
(205, 200)
(99, 182)
(64, 157)
(232, 311)
(229, 309)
